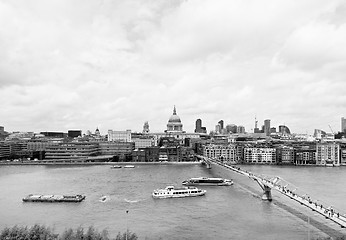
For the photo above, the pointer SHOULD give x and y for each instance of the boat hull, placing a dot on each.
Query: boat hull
(202, 181)
(53, 198)
(179, 195)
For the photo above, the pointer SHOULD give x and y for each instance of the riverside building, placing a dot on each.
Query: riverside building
(260, 155)
(72, 150)
(328, 154)
(221, 152)
(123, 136)
(122, 150)
(285, 155)
(343, 154)
(305, 156)
(5, 150)
(143, 140)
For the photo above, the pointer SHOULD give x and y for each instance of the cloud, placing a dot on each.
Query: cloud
(115, 64)
(315, 46)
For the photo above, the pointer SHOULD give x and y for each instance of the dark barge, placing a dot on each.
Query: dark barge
(53, 198)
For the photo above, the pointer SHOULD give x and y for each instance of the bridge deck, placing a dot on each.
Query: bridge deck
(328, 213)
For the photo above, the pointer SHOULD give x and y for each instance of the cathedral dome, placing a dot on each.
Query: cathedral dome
(174, 119)
(174, 122)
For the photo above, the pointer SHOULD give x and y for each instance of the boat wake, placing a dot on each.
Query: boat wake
(133, 201)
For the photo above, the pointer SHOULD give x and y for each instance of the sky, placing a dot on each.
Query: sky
(114, 64)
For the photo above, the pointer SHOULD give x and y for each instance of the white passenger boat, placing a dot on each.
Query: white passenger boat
(208, 181)
(129, 166)
(172, 192)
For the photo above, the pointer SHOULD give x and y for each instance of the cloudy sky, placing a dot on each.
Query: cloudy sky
(114, 64)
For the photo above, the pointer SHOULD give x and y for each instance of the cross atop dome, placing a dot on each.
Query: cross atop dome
(174, 111)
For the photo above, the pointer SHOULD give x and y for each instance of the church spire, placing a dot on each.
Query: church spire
(174, 111)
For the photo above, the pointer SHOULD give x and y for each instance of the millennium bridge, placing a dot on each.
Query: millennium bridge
(276, 183)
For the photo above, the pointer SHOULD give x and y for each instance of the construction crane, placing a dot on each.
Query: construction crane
(331, 129)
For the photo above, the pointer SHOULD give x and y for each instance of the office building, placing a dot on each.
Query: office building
(37, 145)
(120, 136)
(146, 128)
(218, 129)
(5, 150)
(198, 125)
(121, 149)
(72, 150)
(74, 133)
(266, 127)
(231, 128)
(343, 124)
(143, 141)
(54, 134)
(199, 128)
(221, 124)
(240, 129)
(284, 130)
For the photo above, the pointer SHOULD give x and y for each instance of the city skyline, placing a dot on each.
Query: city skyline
(115, 65)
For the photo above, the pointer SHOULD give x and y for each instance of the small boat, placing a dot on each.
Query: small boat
(329, 163)
(172, 192)
(116, 166)
(104, 199)
(129, 166)
(208, 181)
(53, 198)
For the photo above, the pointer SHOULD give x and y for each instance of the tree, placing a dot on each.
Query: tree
(130, 236)
(36, 232)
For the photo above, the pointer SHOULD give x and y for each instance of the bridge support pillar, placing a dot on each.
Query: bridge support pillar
(208, 165)
(267, 194)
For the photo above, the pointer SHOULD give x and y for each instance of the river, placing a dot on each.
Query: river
(228, 212)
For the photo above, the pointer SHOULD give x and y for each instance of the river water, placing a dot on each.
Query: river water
(230, 212)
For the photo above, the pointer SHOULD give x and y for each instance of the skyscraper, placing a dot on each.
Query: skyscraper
(284, 129)
(231, 128)
(343, 124)
(146, 127)
(240, 129)
(199, 128)
(198, 125)
(221, 124)
(267, 127)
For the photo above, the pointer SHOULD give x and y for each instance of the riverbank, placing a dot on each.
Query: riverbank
(94, 163)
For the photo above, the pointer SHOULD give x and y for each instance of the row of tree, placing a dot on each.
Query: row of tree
(39, 232)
